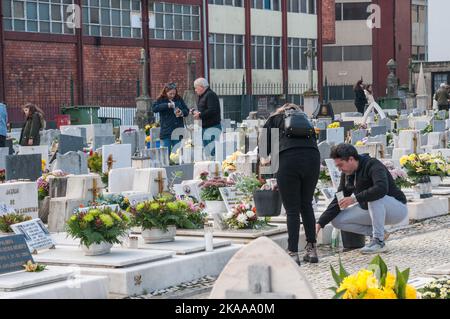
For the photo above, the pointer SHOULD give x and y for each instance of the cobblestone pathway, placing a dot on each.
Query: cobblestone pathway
(419, 246)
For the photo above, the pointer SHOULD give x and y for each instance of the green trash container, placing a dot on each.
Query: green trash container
(82, 114)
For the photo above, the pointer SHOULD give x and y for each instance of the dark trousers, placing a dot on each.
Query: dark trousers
(360, 108)
(2, 141)
(297, 178)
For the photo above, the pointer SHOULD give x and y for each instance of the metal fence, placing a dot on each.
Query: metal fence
(117, 98)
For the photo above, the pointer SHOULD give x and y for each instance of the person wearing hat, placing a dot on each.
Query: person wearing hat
(442, 97)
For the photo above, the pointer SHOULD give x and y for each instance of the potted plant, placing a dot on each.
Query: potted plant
(158, 218)
(425, 166)
(244, 216)
(210, 193)
(10, 219)
(98, 229)
(193, 216)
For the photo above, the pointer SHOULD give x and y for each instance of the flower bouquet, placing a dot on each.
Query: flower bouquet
(158, 218)
(334, 125)
(229, 164)
(374, 282)
(244, 217)
(210, 187)
(437, 289)
(2, 175)
(400, 177)
(99, 228)
(10, 219)
(420, 165)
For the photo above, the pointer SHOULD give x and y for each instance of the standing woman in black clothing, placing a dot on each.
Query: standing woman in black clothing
(360, 97)
(33, 124)
(297, 176)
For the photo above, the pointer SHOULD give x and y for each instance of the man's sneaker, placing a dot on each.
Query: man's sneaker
(375, 246)
(294, 257)
(311, 253)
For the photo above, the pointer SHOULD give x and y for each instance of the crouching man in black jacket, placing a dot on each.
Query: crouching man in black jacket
(371, 198)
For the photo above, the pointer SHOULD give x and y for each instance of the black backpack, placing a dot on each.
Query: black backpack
(297, 124)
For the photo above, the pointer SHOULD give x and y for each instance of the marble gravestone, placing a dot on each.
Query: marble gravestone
(100, 141)
(116, 156)
(22, 196)
(378, 130)
(121, 179)
(81, 190)
(48, 136)
(131, 138)
(41, 149)
(69, 143)
(72, 163)
(335, 135)
(358, 135)
(23, 167)
(262, 270)
(325, 150)
(186, 171)
(149, 180)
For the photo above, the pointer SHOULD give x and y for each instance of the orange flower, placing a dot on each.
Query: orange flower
(254, 209)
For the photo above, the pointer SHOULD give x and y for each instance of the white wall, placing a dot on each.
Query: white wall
(226, 19)
(438, 30)
(266, 23)
(301, 25)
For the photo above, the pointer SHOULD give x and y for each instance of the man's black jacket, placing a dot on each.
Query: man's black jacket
(373, 182)
(209, 107)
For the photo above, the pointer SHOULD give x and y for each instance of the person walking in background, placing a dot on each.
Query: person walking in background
(297, 176)
(442, 97)
(368, 92)
(34, 122)
(3, 124)
(172, 110)
(208, 110)
(360, 97)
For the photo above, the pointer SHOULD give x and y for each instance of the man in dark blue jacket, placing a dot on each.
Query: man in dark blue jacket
(208, 110)
(370, 198)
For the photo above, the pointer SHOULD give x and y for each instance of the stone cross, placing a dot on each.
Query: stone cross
(95, 190)
(110, 162)
(160, 181)
(259, 285)
(415, 143)
(143, 102)
(191, 63)
(392, 81)
(310, 53)
(216, 172)
(410, 72)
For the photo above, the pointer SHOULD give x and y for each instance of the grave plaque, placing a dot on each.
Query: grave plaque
(231, 197)
(36, 234)
(14, 253)
(334, 172)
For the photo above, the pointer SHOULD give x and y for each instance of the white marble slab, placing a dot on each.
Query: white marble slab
(22, 196)
(79, 287)
(184, 245)
(242, 233)
(181, 245)
(67, 255)
(427, 208)
(22, 280)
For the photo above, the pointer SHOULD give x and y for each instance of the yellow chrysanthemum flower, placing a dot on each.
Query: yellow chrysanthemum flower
(107, 220)
(359, 143)
(403, 160)
(390, 281)
(374, 293)
(88, 218)
(154, 206)
(116, 217)
(349, 284)
(140, 206)
(73, 218)
(411, 292)
(365, 279)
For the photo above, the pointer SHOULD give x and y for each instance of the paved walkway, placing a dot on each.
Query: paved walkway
(419, 247)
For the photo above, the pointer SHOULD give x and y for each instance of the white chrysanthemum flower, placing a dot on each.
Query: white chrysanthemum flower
(250, 214)
(242, 218)
(229, 215)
